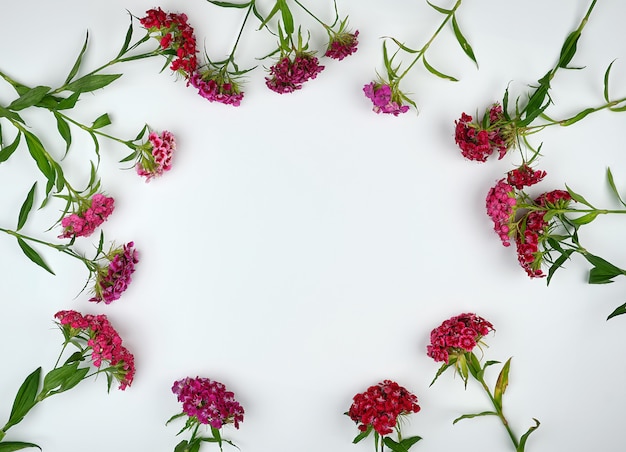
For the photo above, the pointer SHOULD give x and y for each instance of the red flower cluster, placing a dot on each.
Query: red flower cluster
(524, 176)
(85, 222)
(535, 231)
(103, 341)
(214, 90)
(208, 402)
(342, 45)
(457, 335)
(478, 142)
(113, 280)
(288, 75)
(158, 155)
(175, 36)
(500, 204)
(381, 405)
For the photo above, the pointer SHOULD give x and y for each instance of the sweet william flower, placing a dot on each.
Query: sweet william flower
(113, 280)
(478, 141)
(342, 44)
(385, 98)
(287, 75)
(501, 204)
(155, 156)
(457, 335)
(90, 216)
(216, 87)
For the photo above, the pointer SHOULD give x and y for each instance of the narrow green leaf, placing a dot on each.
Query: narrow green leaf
(606, 82)
(410, 441)
(25, 398)
(33, 255)
(557, 264)
(578, 117)
(127, 38)
(76, 66)
(287, 16)
(585, 219)
(69, 102)
(272, 13)
(27, 206)
(470, 416)
(467, 48)
(102, 121)
(7, 151)
(442, 369)
(524, 438)
(38, 153)
(229, 4)
(403, 47)
(11, 446)
(501, 383)
(569, 48)
(618, 311)
(90, 83)
(434, 71)
(30, 98)
(4, 113)
(394, 445)
(361, 436)
(182, 446)
(609, 178)
(64, 130)
(440, 9)
(578, 198)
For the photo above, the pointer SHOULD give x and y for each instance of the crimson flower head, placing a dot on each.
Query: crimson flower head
(501, 204)
(456, 336)
(524, 176)
(208, 402)
(287, 75)
(103, 344)
(91, 214)
(176, 39)
(215, 86)
(479, 140)
(385, 98)
(381, 406)
(113, 280)
(155, 156)
(342, 44)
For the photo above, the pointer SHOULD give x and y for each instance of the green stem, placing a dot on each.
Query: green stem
(95, 131)
(499, 411)
(422, 51)
(245, 20)
(312, 15)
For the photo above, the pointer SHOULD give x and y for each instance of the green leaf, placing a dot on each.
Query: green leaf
(501, 383)
(29, 98)
(272, 13)
(578, 117)
(606, 82)
(618, 311)
(69, 102)
(585, 219)
(38, 153)
(127, 38)
(442, 369)
(565, 255)
(524, 438)
(76, 66)
(33, 255)
(434, 71)
(403, 46)
(92, 82)
(578, 198)
(287, 16)
(25, 398)
(440, 9)
(4, 113)
(609, 178)
(394, 445)
(569, 48)
(361, 436)
(64, 130)
(26, 207)
(410, 441)
(229, 4)
(182, 446)
(603, 271)
(101, 121)
(7, 151)
(467, 48)
(11, 446)
(470, 416)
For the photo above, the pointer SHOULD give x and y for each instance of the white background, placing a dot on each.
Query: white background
(302, 247)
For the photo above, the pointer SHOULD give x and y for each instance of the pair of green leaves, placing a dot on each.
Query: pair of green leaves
(403, 445)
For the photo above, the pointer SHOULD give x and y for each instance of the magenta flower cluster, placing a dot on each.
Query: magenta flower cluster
(103, 341)
(382, 96)
(524, 176)
(288, 76)
(342, 45)
(85, 222)
(158, 156)
(457, 335)
(500, 204)
(113, 280)
(213, 90)
(479, 141)
(208, 402)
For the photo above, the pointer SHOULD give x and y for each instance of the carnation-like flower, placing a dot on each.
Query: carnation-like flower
(385, 98)
(104, 344)
(113, 280)
(381, 406)
(500, 204)
(155, 156)
(214, 87)
(84, 222)
(524, 176)
(342, 45)
(457, 335)
(479, 140)
(176, 38)
(208, 402)
(289, 75)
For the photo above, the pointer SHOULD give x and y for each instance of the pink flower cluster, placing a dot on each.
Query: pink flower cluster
(208, 402)
(288, 76)
(535, 230)
(382, 96)
(213, 90)
(381, 405)
(112, 281)
(85, 222)
(500, 204)
(158, 156)
(103, 340)
(174, 34)
(342, 45)
(477, 142)
(524, 176)
(459, 334)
